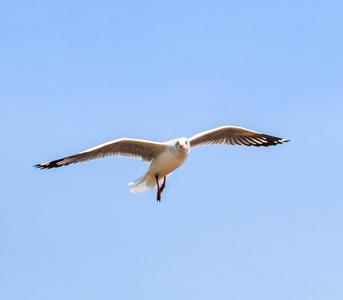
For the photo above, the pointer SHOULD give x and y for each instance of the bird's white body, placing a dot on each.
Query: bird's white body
(163, 165)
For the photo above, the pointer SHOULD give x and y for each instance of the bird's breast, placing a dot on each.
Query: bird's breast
(168, 161)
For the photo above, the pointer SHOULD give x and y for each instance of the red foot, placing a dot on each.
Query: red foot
(164, 184)
(160, 189)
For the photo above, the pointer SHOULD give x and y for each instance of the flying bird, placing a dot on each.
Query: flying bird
(165, 157)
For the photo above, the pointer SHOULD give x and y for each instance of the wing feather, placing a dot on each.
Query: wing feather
(140, 149)
(232, 135)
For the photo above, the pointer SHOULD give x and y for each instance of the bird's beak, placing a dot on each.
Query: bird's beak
(181, 146)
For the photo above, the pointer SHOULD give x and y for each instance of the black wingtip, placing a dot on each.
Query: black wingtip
(273, 141)
(52, 164)
(41, 167)
(48, 165)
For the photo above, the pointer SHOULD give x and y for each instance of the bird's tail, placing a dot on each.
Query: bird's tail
(145, 183)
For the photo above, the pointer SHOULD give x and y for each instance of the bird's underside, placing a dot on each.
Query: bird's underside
(168, 155)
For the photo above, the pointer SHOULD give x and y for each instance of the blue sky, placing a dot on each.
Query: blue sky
(234, 222)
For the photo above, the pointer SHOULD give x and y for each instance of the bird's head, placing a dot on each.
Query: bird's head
(182, 143)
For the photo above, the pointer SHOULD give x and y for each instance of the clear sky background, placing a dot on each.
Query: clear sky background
(234, 222)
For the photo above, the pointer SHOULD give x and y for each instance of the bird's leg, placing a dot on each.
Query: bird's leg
(164, 184)
(158, 189)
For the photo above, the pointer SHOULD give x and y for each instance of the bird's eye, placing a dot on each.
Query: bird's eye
(186, 142)
(177, 144)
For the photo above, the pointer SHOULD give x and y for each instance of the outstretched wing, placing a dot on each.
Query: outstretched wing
(140, 149)
(232, 135)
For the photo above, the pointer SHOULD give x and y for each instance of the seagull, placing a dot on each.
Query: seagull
(165, 157)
